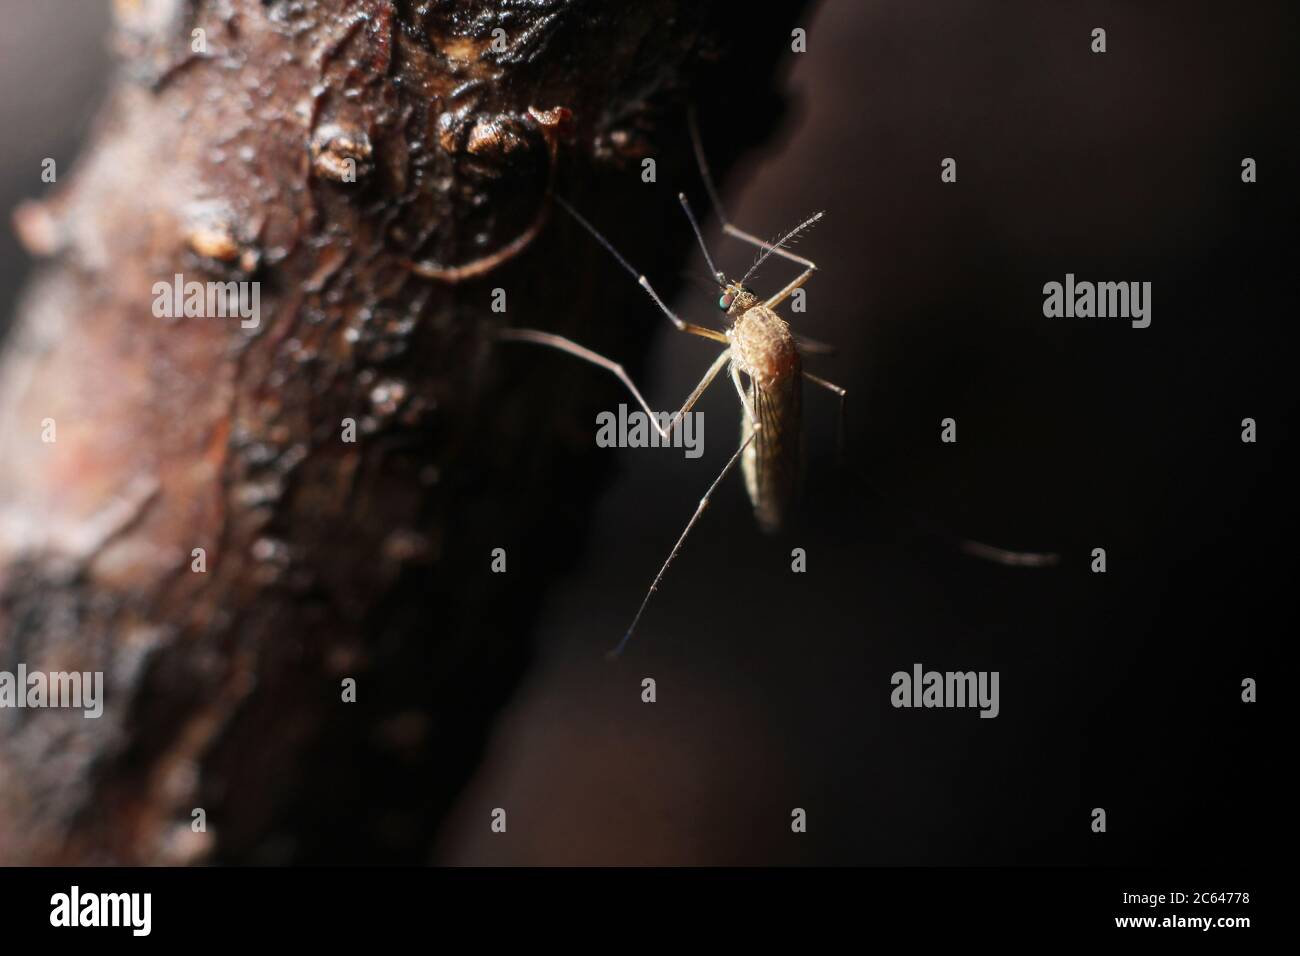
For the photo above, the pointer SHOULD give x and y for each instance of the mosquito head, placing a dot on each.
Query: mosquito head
(736, 299)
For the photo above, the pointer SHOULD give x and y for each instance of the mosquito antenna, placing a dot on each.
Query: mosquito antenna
(599, 238)
(686, 207)
(698, 145)
(779, 243)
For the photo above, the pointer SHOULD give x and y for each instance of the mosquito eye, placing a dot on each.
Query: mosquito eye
(725, 302)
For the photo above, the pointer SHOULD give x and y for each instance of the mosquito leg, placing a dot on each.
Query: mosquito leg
(744, 399)
(976, 549)
(573, 348)
(813, 347)
(699, 510)
(695, 226)
(1015, 559)
(825, 384)
(736, 232)
(788, 291)
(843, 394)
(705, 382)
(679, 324)
(698, 145)
(980, 550)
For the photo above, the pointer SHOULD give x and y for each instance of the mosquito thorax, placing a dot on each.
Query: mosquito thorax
(763, 346)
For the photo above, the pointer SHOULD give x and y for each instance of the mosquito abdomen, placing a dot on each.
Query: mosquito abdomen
(766, 352)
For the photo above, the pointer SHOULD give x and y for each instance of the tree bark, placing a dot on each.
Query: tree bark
(378, 168)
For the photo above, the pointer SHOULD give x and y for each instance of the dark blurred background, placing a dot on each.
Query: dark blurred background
(1120, 690)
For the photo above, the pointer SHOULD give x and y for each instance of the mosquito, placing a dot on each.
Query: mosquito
(763, 359)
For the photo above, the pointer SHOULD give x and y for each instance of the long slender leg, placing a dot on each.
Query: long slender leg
(727, 226)
(705, 382)
(736, 232)
(825, 384)
(788, 291)
(559, 342)
(695, 226)
(812, 347)
(699, 510)
(698, 145)
(976, 549)
(679, 324)
(744, 399)
(843, 394)
(1014, 559)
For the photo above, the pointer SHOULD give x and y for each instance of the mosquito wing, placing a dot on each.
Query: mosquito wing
(772, 461)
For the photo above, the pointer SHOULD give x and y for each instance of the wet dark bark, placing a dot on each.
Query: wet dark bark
(326, 559)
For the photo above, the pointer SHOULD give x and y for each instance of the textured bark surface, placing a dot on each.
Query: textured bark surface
(325, 559)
